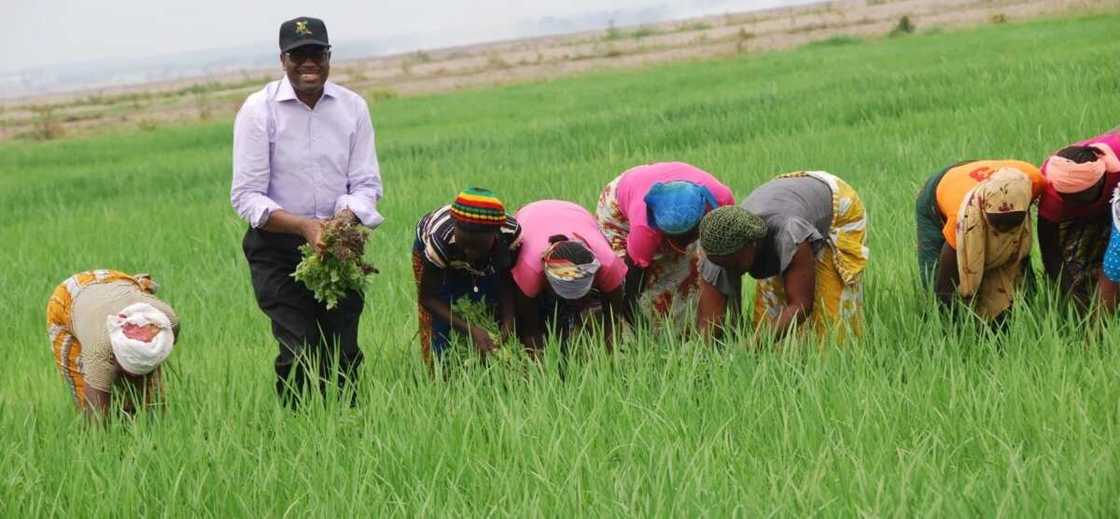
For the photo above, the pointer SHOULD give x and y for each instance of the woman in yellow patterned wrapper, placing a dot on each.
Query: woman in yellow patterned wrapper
(108, 330)
(803, 236)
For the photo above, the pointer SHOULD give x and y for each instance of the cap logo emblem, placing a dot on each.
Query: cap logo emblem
(301, 28)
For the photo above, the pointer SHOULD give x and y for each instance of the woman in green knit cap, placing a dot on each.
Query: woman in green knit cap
(803, 237)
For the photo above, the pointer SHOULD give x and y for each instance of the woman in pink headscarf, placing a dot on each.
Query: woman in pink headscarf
(1073, 215)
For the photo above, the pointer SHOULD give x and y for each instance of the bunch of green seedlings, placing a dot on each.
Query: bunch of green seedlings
(339, 268)
(461, 352)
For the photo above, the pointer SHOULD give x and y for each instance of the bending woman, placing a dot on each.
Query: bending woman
(804, 237)
(1073, 214)
(108, 330)
(983, 242)
(565, 267)
(649, 215)
(465, 249)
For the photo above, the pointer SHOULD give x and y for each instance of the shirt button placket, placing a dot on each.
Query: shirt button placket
(311, 163)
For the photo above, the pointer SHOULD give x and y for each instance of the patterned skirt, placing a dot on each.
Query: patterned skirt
(1083, 242)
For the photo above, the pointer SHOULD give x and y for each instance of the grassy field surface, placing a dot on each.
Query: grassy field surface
(919, 418)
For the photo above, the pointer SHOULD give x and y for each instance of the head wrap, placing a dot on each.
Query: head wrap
(136, 356)
(478, 206)
(1068, 176)
(567, 278)
(725, 230)
(988, 260)
(676, 207)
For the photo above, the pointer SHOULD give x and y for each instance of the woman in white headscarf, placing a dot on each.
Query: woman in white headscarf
(565, 268)
(108, 331)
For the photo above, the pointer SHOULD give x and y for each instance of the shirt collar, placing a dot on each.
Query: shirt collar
(285, 92)
(288, 93)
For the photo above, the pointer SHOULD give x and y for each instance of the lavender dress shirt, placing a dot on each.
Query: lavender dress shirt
(310, 162)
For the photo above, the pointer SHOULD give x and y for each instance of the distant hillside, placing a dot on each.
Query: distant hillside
(109, 73)
(211, 86)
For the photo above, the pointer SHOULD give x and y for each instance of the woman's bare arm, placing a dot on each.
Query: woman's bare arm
(800, 281)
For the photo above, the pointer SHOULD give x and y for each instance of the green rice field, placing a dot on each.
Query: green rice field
(920, 417)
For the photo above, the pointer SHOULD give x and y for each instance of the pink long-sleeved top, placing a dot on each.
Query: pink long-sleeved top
(643, 240)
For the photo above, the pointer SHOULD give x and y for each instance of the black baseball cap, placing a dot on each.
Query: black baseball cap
(301, 31)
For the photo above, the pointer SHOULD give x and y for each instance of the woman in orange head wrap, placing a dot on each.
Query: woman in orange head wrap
(1073, 215)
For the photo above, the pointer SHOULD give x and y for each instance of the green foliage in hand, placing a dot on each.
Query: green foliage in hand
(477, 313)
(339, 268)
(461, 353)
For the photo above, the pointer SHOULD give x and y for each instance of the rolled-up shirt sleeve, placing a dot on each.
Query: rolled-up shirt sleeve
(364, 175)
(251, 170)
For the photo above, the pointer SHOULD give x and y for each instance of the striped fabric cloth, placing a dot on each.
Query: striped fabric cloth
(435, 234)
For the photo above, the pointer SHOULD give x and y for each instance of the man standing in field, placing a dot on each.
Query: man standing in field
(303, 152)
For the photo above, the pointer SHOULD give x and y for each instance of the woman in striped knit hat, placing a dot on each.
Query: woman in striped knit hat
(466, 249)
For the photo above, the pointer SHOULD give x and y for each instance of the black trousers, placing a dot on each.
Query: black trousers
(316, 344)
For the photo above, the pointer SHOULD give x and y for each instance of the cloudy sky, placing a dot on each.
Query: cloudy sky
(40, 33)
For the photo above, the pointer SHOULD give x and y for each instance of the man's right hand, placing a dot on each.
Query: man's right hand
(313, 233)
(310, 229)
